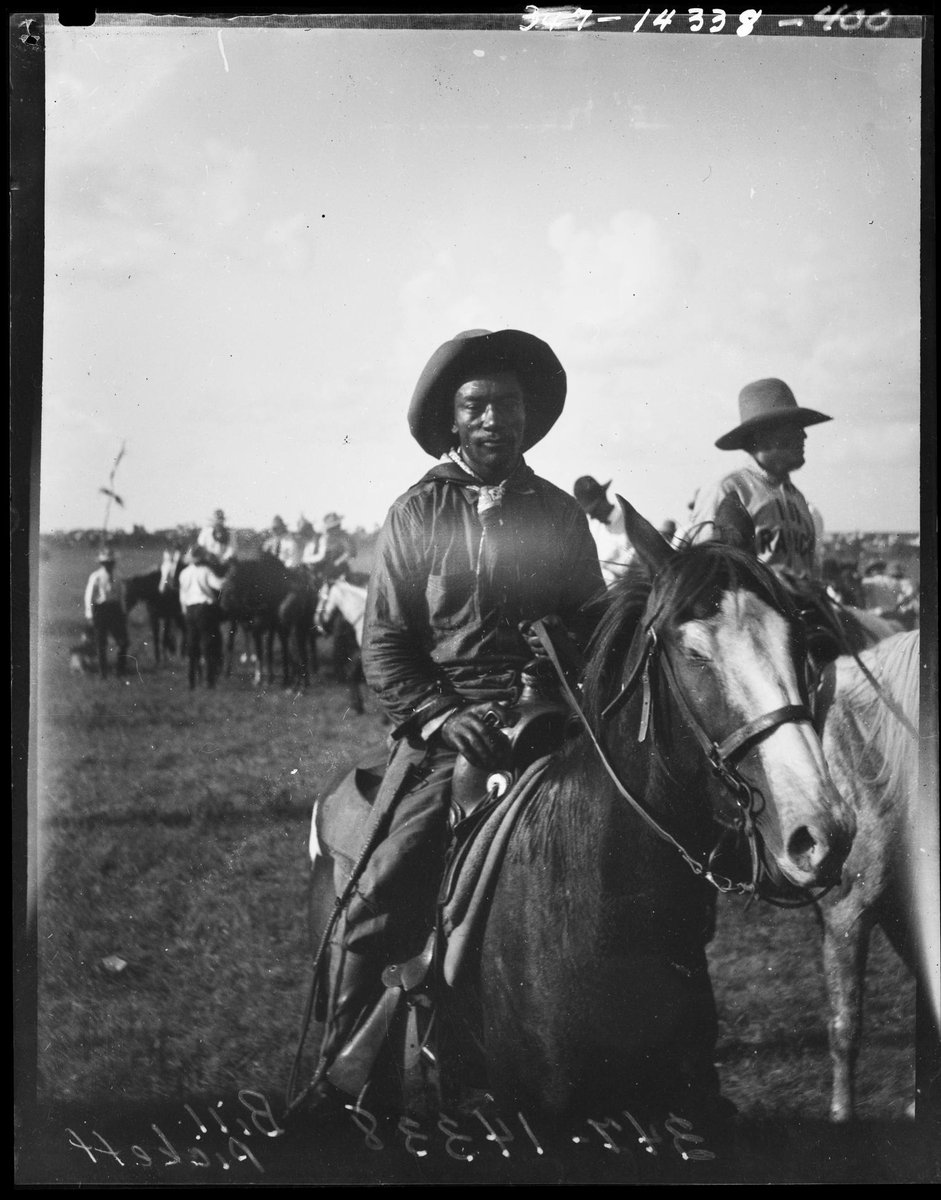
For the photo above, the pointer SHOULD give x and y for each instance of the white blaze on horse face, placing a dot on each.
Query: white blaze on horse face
(748, 646)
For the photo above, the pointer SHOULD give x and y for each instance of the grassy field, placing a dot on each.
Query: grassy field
(172, 947)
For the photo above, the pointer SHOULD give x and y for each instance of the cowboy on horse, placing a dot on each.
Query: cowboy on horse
(219, 542)
(772, 430)
(469, 556)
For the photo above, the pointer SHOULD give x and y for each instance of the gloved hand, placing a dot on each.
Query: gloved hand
(475, 732)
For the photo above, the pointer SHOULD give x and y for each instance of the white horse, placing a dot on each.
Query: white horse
(341, 611)
(341, 596)
(869, 710)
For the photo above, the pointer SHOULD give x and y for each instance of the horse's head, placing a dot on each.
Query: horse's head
(703, 660)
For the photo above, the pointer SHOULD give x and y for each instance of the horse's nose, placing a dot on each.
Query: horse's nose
(818, 854)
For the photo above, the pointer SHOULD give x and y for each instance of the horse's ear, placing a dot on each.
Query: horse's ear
(733, 523)
(647, 541)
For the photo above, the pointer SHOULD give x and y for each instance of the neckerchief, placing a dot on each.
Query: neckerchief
(489, 513)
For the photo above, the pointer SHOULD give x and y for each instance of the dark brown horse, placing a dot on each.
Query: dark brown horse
(157, 590)
(697, 768)
(276, 604)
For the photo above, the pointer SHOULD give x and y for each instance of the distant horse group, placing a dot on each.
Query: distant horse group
(274, 605)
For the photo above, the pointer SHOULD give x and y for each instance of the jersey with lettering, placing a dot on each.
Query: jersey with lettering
(785, 536)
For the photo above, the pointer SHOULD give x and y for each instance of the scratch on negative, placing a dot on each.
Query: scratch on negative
(225, 61)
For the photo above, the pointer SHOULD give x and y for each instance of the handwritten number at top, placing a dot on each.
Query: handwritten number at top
(851, 21)
(571, 18)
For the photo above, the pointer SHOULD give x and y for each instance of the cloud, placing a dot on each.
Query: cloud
(621, 283)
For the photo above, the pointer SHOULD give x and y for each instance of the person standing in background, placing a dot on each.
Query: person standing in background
(606, 522)
(199, 600)
(106, 611)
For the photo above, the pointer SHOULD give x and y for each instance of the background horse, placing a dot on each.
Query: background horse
(874, 761)
(156, 590)
(341, 610)
(589, 987)
(274, 602)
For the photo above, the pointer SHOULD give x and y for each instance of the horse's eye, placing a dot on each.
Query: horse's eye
(695, 656)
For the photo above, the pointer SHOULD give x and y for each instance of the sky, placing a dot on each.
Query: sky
(257, 237)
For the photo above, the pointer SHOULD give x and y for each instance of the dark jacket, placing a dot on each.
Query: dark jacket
(437, 628)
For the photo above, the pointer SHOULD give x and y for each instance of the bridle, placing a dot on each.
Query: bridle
(766, 881)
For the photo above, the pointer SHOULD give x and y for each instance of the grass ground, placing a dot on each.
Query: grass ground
(172, 945)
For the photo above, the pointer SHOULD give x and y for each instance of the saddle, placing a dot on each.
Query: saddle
(484, 807)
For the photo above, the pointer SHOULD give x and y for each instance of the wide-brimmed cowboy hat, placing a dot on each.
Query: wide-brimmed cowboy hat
(588, 490)
(762, 405)
(332, 521)
(431, 412)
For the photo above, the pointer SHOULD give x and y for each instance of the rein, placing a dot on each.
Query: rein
(721, 757)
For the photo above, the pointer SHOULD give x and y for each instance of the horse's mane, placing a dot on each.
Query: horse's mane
(860, 716)
(689, 585)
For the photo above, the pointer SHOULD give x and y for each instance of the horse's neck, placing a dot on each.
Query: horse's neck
(639, 788)
(612, 885)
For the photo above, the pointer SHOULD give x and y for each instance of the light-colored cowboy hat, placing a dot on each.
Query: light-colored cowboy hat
(762, 405)
(431, 412)
(107, 556)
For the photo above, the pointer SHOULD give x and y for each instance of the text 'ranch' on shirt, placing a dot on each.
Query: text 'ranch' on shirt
(785, 536)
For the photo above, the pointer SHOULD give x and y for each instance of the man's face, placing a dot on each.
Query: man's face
(490, 420)
(780, 450)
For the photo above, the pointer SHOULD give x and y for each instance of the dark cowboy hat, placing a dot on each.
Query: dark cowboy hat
(431, 412)
(587, 489)
(762, 405)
